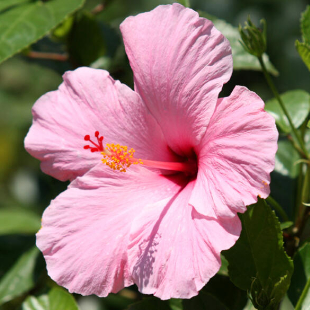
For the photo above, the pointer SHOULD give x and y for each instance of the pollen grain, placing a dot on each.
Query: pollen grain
(119, 157)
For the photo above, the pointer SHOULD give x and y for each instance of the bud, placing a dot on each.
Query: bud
(253, 38)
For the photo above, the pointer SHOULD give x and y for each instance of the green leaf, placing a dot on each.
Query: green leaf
(61, 299)
(33, 303)
(258, 262)
(212, 297)
(308, 125)
(297, 103)
(301, 275)
(19, 221)
(305, 25)
(286, 158)
(203, 301)
(286, 225)
(32, 20)
(85, 41)
(304, 52)
(61, 32)
(57, 299)
(241, 59)
(5, 4)
(19, 279)
(185, 3)
(150, 303)
(175, 304)
(224, 266)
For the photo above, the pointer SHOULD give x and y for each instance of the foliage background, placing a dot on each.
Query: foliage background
(26, 191)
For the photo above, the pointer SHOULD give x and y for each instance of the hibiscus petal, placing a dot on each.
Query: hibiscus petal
(180, 63)
(85, 231)
(89, 100)
(236, 156)
(174, 250)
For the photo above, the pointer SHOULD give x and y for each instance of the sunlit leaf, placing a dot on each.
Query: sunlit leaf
(33, 303)
(57, 299)
(297, 103)
(258, 262)
(61, 299)
(18, 221)
(241, 59)
(32, 20)
(304, 52)
(19, 279)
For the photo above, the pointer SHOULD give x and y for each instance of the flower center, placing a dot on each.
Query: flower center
(119, 157)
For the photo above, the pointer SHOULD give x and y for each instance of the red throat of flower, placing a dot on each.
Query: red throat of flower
(119, 157)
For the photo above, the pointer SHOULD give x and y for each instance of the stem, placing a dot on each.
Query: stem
(51, 56)
(278, 208)
(276, 94)
(303, 295)
(296, 146)
(303, 211)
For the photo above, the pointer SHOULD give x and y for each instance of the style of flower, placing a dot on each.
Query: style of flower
(154, 201)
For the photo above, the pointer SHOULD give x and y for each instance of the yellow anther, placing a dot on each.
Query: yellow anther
(118, 157)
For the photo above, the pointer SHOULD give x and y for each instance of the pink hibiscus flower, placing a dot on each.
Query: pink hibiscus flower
(163, 223)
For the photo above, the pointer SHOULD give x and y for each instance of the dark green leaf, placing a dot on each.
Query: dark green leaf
(305, 25)
(233, 299)
(242, 59)
(204, 301)
(33, 303)
(286, 158)
(304, 52)
(32, 20)
(61, 299)
(301, 274)
(86, 42)
(19, 279)
(258, 263)
(18, 222)
(151, 303)
(297, 103)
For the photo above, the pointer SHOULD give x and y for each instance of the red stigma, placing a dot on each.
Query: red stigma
(95, 147)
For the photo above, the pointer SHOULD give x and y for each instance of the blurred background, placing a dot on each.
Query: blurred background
(25, 190)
